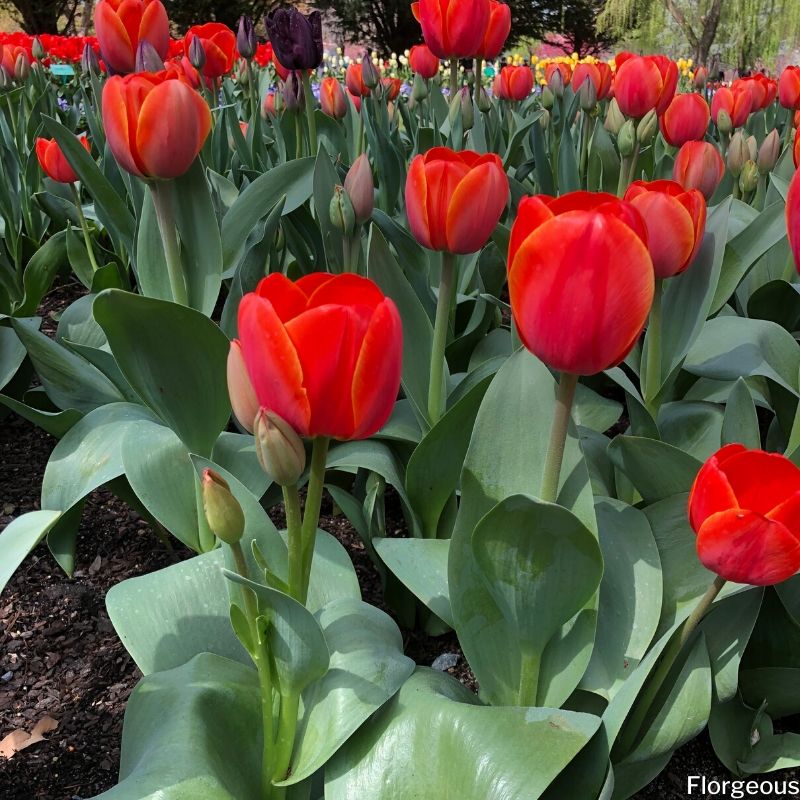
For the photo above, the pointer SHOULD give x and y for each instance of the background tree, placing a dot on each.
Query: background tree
(185, 13)
(43, 16)
(577, 32)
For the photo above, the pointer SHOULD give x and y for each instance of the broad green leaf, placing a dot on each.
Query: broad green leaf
(775, 686)
(594, 411)
(19, 537)
(40, 272)
(435, 740)
(694, 428)
(55, 423)
(741, 422)
(731, 727)
(175, 362)
(12, 354)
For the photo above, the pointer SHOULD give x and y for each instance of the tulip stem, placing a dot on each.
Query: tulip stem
(294, 535)
(287, 728)
(298, 135)
(478, 78)
(529, 679)
(653, 366)
(440, 328)
(312, 123)
(701, 609)
(316, 482)
(87, 239)
(252, 89)
(551, 476)
(161, 192)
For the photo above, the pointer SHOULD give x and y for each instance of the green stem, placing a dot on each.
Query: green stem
(252, 90)
(298, 135)
(294, 533)
(585, 131)
(161, 192)
(453, 78)
(312, 122)
(287, 728)
(316, 481)
(558, 437)
(441, 325)
(701, 609)
(653, 367)
(478, 78)
(87, 239)
(529, 679)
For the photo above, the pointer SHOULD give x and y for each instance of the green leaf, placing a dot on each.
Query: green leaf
(435, 740)
(694, 428)
(55, 423)
(741, 422)
(12, 354)
(176, 362)
(40, 272)
(19, 537)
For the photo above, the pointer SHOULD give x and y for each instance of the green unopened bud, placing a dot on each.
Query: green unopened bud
(467, 109)
(455, 109)
(615, 119)
(724, 122)
(483, 102)
(647, 127)
(5, 78)
(37, 48)
(22, 69)
(752, 148)
(548, 99)
(748, 180)
(587, 95)
(223, 512)
(544, 120)
(769, 152)
(360, 186)
(556, 83)
(626, 140)
(343, 217)
(369, 73)
(420, 90)
(737, 154)
(279, 449)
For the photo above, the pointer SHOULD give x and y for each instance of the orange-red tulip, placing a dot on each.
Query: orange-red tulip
(332, 99)
(454, 200)
(355, 80)
(643, 83)
(497, 30)
(699, 165)
(423, 62)
(155, 124)
(513, 83)
(700, 77)
(580, 278)
(391, 88)
(685, 120)
(737, 105)
(793, 210)
(53, 162)
(120, 26)
(789, 88)
(219, 44)
(796, 146)
(669, 77)
(453, 28)
(324, 354)
(561, 67)
(355, 99)
(745, 509)
(675, 220)
(599, 74)
(9, 54)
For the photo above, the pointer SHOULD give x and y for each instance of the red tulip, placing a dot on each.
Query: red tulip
(324, 354)
(120, 26)
(793, 210)
(699, 165)
(53, 162)
(454, 200)
(796, 146)
(745, 509)
(599, 74)
(737, 104)
(355, 99)
(9, 55)
(558, 66)
(497, 30)
(423, 62)
(675, 220)
(580, 278)
(685, 120)
(391, 86)
(332, 99)
(669, 77)
(219, 43)
(268, 107)
(156, 124)
(355, 81)
(637, 85)
(789, 88)
(513, 83)
(700, 78)
(453, 28)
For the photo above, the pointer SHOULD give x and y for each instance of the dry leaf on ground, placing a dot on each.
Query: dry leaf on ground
(19, 739)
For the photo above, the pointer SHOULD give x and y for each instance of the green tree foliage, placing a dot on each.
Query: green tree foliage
(43, 16)
(185, 13)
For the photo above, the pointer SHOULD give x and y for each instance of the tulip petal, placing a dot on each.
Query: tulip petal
(761, 481)
(120, 125)
(532, 212)
(115, 42)
(417, 203)
(711, 492)
(788, 513)
(154, 27)
(347, 289)
(670, 232)
(243, 397)
(287, 298)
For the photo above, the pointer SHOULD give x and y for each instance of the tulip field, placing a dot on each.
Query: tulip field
(527, 331)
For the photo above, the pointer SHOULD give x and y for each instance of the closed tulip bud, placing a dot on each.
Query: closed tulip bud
(699, 165)
(647, 127)
(626, 140)
(90, 64)
(752, 147)
(769, 152)
(587, 95)
(5, 78)
(223, 512)
(467, 109)
(332, 99)
(420, 89)
(197, 53)
(483, 101)
(738, 154)
(455, 108)
(548, 99)
(279, 449)
(37, 48)
(342, 215)
(246, 42)
(544, 120)
(724, 123)
(748, 180)
(556, 83)
(369, 73)
(700, 78)
(293, 93)
(22, 68)
(147, 59)
(615, 119)
(360, 187)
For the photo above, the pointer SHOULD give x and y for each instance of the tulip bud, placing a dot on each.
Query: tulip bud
(455, 109)
(223, 512)
(293, 93)
(483, 102)
(626, 139)
(467, 110)
(246, 42)
(342, 215)
(37, 48)
(544, 120)
(22, 68)
(369, 73)
(748, 180)
(769, 152)
(360, 187)
(700, 78)
(615, 119)
(647, 127)
(5, 78)
(547, 99)
(724, 122)
(752, 147)
(197, 53)
(737, 154)
(556, 83)
(147, 59)
(420, 88)
(279, 449)
(89, 61)
(587, 95)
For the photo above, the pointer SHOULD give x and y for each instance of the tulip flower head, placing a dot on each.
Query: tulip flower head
(354, 79)
(332, 99)
(296, 38)
(453, 28)
(580, 278)
(454, 200)
(219, 47)
(423, 61)
(699, 165)
(793, 211)
(514, 83)
(685, 120)
(120, 26)
(497, 30)
(643, 83)
(744, 507)
(53, 162)
(789, 88)
(736, 104)
(599, 74)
